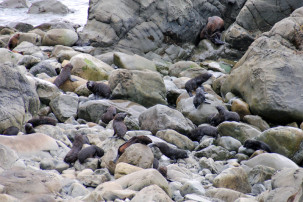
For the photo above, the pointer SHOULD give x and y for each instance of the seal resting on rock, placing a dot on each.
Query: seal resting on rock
(13, 130)
(199, 97)
(224, 115)
(194, 83)
(212, 30)
(109, 114)
(171, 153)
(42, 120)
(257, 145)
(64, 75)
(197, 133)
(29, 129)
(13, 41)
(72, 155)
(119, 126)
(90, 152)
(99, 89)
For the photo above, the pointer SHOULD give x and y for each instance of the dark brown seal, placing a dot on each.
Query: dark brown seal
(199, 97)
(212, 30)
(119, 126)
(72, 155)
(224, 115)
(197, 133)
(29, 129)
(194, 83)
(42, 120)
(171, 153)
(64, 75)
(13, 130)
(90, 152)
(99, 89)
(13, 41)
(109, 114)
(257, 145)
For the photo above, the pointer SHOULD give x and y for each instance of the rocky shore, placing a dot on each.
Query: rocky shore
(145, 53)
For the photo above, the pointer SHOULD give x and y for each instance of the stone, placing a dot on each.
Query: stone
(65, 37)
(27, 48)
(229, 143)
(180, 174)
(225, 194)
(192, 187)
(28, 61)
(15, 4)
(46, 66)
(259, 174)
(90, 68)
(52, 6)
(8, 157)
(92, 178)
(239, 131)
(70, 86)
(175, 138)
(215, 152)
(143, 87)
(240, 107)
(78, 189)
(151, 193)
(8, 198)
(161, 117)
(209, 163)
(256, 121)
(178, 67)
(133, 62)
(46, 91)
(123, 169)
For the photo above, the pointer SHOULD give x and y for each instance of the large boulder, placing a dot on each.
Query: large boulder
(66, 37)
(144, 87)
(20, 98)
(268, 77)
(50, 6)
(255, 17)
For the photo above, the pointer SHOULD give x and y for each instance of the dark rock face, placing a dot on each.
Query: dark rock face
(143, 26)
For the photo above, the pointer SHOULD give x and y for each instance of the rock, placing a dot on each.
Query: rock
(240, 107)
(175, 138)
(192, 187)
(64, 53)
(178, 67)
(138, 155)
(20, 97)
(15, 4)
(8, 56)
(93, 178)
(143, 87)
(21, 183)
(77, 189)
(133, 62)
(52, 6)
(46, 66)
(90, 68)
(7, 158)
(161, 117)
(151, 193)
(207, 50)
(70, 86)
(46, 91)
(8, 198)
(28, 61)
(272, 160)
(239, 131)
(256, 121)
(229, 143)
(31, 38)
(64, 106)
(259, 174)
(27, 48)
(172, 91)
(180, 174)
(215, 152)
(284, 140)
(65, 37)
(123, 169)
(225, 194)
(255, 76)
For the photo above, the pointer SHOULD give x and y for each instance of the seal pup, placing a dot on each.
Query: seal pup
(109, 114)
(257, 145)
(224, 115)
(72, 155)
(29, 129)
(13, 41)
(12, 130)
(119, 126)
(197, 133)
(212, 30)
(171, 153)
(42, 120)
(90, 152)
(64, 75)
(199, 97)
(99, 89)
(136, 139)
(194, 83)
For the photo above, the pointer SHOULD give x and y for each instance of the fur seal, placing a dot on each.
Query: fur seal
(224, 115)
(194, 83)
(90, 152)
(171, 153)
(99, 89)
(42, 120)
(72, 155)
(257, 145)
(119, 126)
(197, 133)
(64, 75)
(13, 130)
(109, 114)
(199, 97)
(29, 129)
(212, 30)
(13, 41)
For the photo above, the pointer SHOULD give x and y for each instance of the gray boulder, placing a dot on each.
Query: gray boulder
(151, 193)
(9, 56)
(50, 6)
(272, 89)
(66, 37)
(15, 4)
